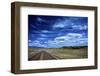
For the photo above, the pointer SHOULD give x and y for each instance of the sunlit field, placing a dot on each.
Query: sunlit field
(62, 53)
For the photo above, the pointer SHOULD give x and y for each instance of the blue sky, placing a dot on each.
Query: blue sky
(57, 31)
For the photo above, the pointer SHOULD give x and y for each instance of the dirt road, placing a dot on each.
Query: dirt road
(42, 55)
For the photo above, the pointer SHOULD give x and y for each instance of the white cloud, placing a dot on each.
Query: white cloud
(74, 35)
(41, 38)
(61, 24)
(29, 40)
(54, 43)
(43, 35)
(70, 39)
(36, 43)
(69, 36)
(47, 31)
(62, 38)
(80, 27)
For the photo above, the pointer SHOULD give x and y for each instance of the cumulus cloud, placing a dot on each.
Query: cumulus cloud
(80, 27)
(54, 44)
(58, 31)
(41, 38)
(69, 36)
(74, 35)
(68, 23)
(47, 31)
(71, 39)
(43, 35)
(62, 38)
(61, 24)
(36, 43)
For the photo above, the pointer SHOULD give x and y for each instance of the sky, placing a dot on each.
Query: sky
(57, 31)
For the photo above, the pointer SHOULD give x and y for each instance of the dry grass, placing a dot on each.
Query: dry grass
(63, 53)
(69, 53)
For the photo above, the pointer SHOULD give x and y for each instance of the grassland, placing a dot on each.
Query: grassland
(62, 53)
